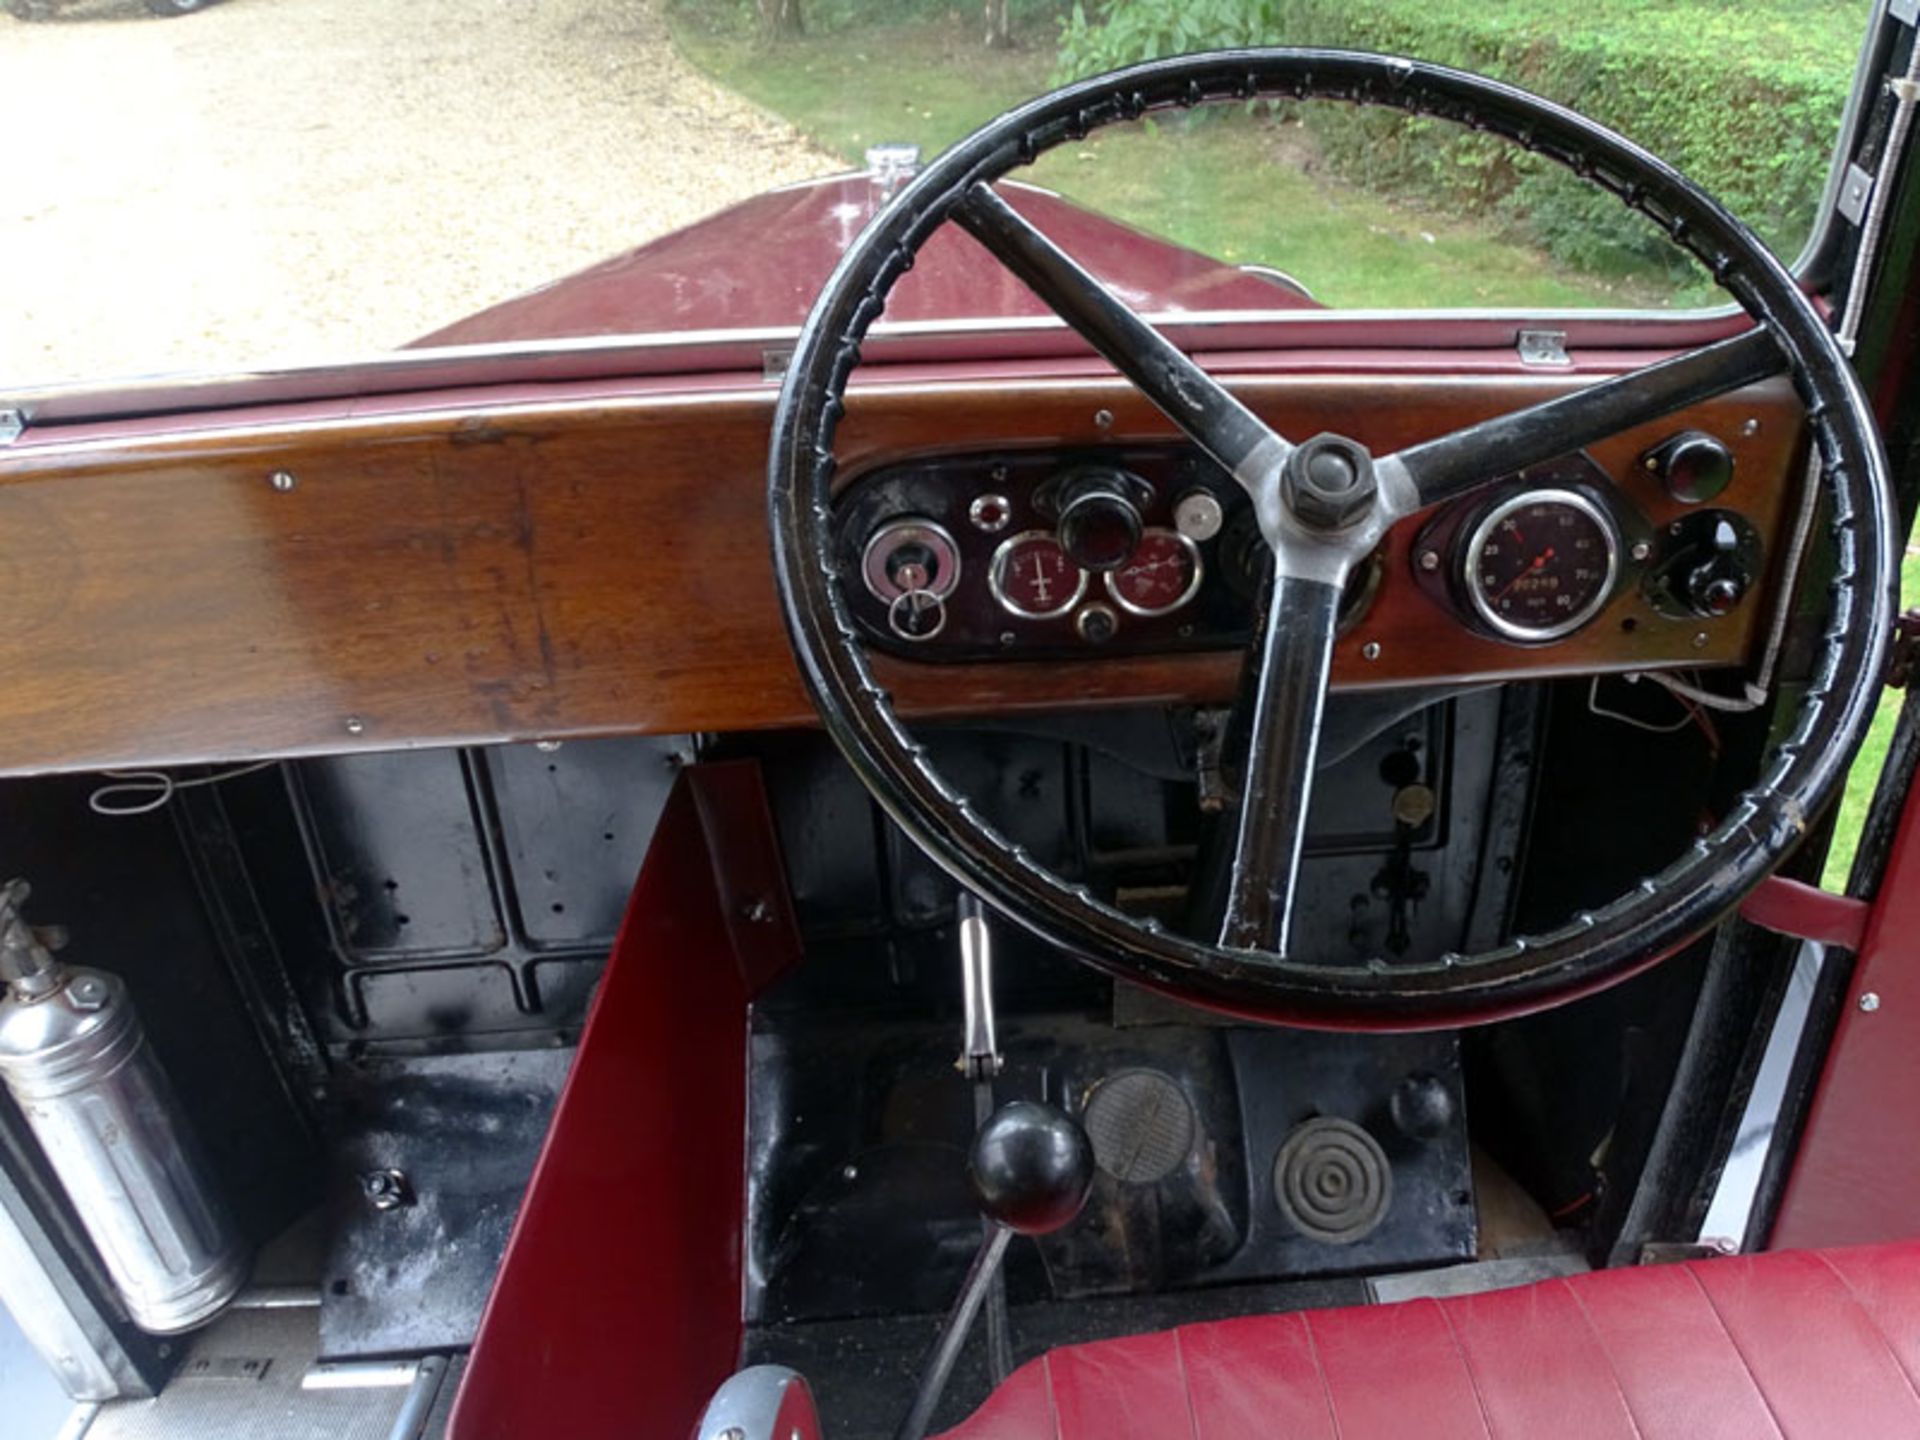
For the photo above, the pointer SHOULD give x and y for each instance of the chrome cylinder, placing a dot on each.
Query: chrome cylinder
(77, 1061)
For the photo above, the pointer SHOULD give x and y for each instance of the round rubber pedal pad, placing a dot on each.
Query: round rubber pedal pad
(1141, 1124)
(1333, 1181)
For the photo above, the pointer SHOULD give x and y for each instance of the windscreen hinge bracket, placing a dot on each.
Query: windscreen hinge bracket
(1546, 348)
(1905, 654)
(13, 425)
(1856, 190)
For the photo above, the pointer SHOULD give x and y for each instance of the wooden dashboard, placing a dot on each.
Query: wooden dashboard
(592, 565)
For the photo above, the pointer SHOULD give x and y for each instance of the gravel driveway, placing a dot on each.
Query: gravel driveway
(303, 179)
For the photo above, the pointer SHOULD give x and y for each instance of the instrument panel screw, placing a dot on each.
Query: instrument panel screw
(282, 480)
(1429, 560)
(1870, 1002)
(1699, 639)
(1370, 650)
(547, 747)
(1103, 419)
(387, 1189)
(355, 725)
(1750, 426)
(1641, 550)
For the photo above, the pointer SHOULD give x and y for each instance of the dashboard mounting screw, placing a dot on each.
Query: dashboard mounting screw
(282, 480)
(387, 1189)
(1103, 419)
(1699, 639)
(1750, 426)
(1870, 1002)
(1370, 650)
(355, 725)
(1641, 550)
(1429, 560)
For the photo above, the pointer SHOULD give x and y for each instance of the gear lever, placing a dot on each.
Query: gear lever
(980, 1060)
(1031, 1168)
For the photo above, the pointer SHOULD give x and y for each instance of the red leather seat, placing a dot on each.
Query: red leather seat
(1806, 1345)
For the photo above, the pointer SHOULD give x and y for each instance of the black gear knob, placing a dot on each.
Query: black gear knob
(1031, 1167)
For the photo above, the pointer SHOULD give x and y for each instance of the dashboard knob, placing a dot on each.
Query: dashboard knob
(1693, 466)
(1718, 595)
(1099, 523)
(1719, 581)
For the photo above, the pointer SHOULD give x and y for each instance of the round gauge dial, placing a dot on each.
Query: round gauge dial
(1164, 574)
(910, 555)
(1032, 577)
(1541, 564)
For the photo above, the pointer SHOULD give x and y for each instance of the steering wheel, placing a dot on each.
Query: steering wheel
(1322, 504)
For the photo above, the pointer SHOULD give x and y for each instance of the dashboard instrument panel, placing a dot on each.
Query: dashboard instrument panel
(594, 560)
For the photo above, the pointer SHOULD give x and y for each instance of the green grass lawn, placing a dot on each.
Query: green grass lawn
(1238, 187)
(1873, 754)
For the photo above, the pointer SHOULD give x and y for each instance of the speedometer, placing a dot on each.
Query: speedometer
(1540, 564)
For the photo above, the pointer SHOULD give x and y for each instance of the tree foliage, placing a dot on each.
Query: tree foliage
(1744, 98)
(999, 24)
(781, 17)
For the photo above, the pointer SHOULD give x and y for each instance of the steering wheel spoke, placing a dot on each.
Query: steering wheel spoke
(1477, 455)
(1287, 687)
(1219, 424)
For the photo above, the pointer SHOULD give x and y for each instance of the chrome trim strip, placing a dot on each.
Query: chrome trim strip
(1730, 1211)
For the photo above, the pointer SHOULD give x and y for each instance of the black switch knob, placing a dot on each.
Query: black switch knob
(1693, 466)
(1099, 522)
(1718, 582)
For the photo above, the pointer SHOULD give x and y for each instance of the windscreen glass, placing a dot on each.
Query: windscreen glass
(217, 185)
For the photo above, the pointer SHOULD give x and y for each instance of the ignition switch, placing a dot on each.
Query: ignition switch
(1707, 564)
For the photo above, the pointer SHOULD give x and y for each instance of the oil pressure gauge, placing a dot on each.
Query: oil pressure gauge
(1164, 574)
(1540, 564)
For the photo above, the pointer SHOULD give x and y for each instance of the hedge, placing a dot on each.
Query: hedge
(1744, 97)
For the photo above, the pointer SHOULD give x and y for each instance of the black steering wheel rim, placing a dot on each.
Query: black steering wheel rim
(1658, 916)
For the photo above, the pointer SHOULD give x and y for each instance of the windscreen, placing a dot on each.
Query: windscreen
(216, 185)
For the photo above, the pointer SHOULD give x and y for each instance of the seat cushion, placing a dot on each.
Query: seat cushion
(1806, 1345)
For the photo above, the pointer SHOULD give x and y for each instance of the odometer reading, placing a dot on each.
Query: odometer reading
(1542, 564)
(1163, 575)
(1033, 578)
